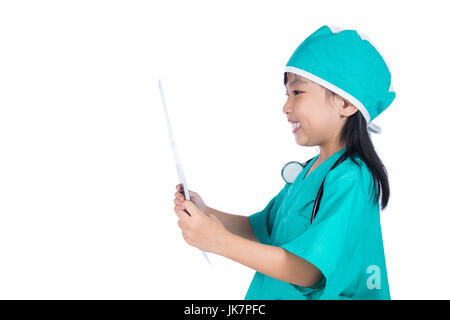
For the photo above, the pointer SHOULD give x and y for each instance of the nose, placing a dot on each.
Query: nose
(286, 108)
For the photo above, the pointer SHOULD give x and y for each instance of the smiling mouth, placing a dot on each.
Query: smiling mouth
(295, 126)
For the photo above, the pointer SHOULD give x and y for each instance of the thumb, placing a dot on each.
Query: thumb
(192, 208)
(193, 194)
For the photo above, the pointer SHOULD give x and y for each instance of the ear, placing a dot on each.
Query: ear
(347, 109)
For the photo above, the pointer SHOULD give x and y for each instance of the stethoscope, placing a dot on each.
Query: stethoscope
(290, 171)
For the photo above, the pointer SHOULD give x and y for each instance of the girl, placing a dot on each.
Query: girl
(336, 83)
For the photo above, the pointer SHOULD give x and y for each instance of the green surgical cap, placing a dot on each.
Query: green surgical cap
(347, 63)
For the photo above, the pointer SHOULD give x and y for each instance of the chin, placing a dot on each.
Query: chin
(301, 142)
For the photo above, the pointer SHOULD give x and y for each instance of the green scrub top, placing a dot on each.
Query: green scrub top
(344, 241)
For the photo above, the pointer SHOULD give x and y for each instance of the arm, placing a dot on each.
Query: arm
(210, 234)
(272, 261)
(236, 224)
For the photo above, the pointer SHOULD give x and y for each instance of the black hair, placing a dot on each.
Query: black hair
(355, 137)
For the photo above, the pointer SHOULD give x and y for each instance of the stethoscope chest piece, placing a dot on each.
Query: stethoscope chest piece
(291, 170)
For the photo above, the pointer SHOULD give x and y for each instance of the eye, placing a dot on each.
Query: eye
(296, 92)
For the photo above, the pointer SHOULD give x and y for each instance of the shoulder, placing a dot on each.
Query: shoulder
(353, 172)
(352, 169)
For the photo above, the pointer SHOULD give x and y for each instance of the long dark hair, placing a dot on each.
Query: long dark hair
(356, 139)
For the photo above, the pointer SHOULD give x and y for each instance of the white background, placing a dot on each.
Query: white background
(87, 176)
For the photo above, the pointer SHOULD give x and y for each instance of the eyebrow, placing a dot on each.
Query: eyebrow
(295, 80)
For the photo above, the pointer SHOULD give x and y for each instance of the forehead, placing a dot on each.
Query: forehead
(295, 79)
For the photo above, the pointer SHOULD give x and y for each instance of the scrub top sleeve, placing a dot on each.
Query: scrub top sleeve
(330, 240)
(262, 221)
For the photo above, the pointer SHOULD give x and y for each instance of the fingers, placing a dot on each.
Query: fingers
(179, 198)
(180, 195)
(181, 213)
(179, 188)
(179, 204)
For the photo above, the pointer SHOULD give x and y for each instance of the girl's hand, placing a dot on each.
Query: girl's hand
(194, 197)
(199, 230)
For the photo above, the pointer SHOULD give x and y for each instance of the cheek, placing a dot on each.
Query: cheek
(317, 121)
(312, 119)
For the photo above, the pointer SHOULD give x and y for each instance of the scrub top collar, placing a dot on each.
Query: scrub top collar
(323, 167)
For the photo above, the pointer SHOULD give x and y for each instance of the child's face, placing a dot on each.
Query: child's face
(321, 120)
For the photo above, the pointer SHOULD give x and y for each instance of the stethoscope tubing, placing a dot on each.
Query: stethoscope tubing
(320, 192)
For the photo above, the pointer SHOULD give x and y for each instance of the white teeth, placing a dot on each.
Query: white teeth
(295, 124)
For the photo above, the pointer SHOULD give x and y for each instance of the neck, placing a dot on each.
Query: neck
(327, 150)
